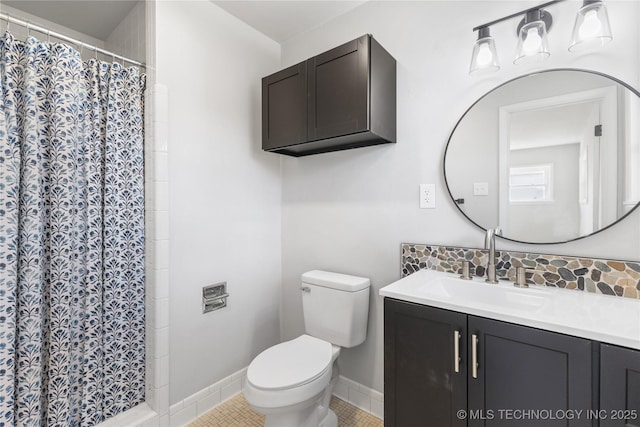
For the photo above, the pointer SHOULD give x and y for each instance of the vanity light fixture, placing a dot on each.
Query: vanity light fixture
(484, 56)
(532, 37)
(591, 27)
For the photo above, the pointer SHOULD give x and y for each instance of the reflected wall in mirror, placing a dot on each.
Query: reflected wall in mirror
(548, 157)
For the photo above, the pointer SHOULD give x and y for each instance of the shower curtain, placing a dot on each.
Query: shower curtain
(71, 236)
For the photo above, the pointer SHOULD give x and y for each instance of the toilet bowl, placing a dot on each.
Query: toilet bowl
(291, 383)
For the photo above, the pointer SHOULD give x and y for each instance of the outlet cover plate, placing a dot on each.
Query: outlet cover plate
(427, 196)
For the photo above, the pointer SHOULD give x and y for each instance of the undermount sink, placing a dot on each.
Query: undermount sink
(604, 318)
(446, 286)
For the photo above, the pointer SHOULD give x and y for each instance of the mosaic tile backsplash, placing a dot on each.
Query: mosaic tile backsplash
(602, 276)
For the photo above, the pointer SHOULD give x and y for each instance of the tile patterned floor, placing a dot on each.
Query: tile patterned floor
(236, 412)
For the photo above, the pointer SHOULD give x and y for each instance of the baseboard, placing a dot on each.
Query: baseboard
(360, 396)
(201, 402)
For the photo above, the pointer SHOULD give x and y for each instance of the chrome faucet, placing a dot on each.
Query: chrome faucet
(490, 244)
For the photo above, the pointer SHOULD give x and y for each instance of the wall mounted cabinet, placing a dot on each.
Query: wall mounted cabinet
(440, 362)
(343, 98)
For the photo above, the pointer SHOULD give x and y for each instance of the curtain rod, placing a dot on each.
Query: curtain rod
(48, 32)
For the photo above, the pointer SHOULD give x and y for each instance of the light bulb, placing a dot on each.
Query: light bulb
(591, 25)
(532, 42)
(484, 55)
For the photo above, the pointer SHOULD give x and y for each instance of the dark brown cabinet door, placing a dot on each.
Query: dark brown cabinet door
(284, 107)
(532, 371)
(619, 386)
(341, 99)
(338, 91)
(421, 385)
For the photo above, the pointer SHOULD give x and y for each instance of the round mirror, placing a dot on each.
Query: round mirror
(548, 157)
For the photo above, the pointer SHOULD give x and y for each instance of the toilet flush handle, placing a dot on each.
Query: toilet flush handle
(305, 289)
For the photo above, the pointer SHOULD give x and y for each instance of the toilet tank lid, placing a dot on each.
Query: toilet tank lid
(342, 282)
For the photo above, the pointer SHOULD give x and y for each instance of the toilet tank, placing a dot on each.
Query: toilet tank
(336, 307)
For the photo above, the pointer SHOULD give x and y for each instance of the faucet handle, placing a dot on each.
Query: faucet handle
(466, 275)
(521, 279)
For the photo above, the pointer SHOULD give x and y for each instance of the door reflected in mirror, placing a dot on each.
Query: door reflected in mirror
(548, 157)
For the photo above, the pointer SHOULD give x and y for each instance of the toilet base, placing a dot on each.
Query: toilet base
(301, 419)
(330, 420)
(305, 417)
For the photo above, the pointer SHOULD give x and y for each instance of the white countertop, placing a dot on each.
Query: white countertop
(604, 318)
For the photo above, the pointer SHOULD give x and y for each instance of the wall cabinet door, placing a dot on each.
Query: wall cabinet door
(284, 107)
(619, 386)
(424, 384)
(339, 84)
(341, 99)
(527, 369)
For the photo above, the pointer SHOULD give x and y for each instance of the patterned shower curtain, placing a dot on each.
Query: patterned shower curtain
(71, 236)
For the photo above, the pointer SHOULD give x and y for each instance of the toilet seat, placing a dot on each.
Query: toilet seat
(291, 364)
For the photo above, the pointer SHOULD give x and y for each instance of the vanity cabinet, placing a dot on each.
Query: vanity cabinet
(502, 367)
(421, 385)
(343, 98)
(522, 368)
(619, 386)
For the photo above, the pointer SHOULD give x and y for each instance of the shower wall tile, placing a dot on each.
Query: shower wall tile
(162, 225)
(161, 166)
(161, 284)
(161, 369)
(161, 337)
(162, 400)
(161, 138)
(129, 37)
(161, 104)
(161, 312)
(150, 41)
(158, 250)
(161, 258)
(161, 193)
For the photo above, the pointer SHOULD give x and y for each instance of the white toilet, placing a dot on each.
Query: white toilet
(291, 383)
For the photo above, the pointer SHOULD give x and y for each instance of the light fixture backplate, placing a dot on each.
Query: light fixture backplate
(544, 17)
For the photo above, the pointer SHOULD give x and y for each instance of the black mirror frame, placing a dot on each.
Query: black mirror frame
(444, 161)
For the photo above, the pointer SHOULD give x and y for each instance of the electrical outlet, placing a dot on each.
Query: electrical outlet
(427, 196)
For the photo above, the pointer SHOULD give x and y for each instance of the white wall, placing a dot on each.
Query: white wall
(224, 201)
(349, 211)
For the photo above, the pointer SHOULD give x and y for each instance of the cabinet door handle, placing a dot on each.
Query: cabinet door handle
(474, 356)
(456, 351)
